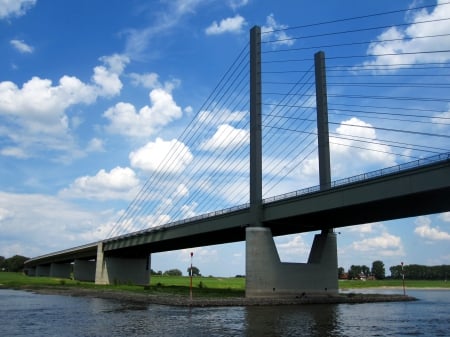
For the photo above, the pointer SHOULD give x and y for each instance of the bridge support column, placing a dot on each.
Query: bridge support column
(61, 270)
(43, 270)
(84, 270)
(119, 270)
(267, 276)
(30, 271)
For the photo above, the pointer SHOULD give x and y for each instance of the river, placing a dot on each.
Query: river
(28, 314)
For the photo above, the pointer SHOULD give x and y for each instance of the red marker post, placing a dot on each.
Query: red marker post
(403, 280)
(190, 288)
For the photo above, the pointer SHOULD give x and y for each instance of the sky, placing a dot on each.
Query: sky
(94, 93)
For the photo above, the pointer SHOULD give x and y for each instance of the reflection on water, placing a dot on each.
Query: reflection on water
(311, 320)
(27, 314)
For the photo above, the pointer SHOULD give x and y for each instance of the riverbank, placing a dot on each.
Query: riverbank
(178, 300)
(207, 291)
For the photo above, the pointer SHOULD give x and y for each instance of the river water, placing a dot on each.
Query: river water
(27, 314)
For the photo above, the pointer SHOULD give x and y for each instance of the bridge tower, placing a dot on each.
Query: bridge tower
(266, 275)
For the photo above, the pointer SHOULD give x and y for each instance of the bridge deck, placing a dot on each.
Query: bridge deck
(412, 192)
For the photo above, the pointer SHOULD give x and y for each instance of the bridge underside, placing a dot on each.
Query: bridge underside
(423, 203)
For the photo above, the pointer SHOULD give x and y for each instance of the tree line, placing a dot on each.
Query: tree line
(14, 264)
(411, 271)
(420, 272)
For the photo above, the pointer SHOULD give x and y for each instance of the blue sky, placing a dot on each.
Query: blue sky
(93, 93)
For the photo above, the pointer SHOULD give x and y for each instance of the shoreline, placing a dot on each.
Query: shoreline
(184, 301)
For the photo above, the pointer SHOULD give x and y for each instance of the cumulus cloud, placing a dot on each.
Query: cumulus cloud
(292, 248)
(385, 245)
(125, 120)
(350, 155)
(119, 183)
(48, 224)
(21, 46)
(403, 46)
(10, 8)
(226, 136)
(163, 156)
(147, 80)
(34, 116)
(273, 31)
(107, 75)
(424, 230)
(228, 25)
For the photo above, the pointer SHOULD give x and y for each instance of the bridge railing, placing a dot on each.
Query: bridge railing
(184, 221)
(339, 182)
(364, 176)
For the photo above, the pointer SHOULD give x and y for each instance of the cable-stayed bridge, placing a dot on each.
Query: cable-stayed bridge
(266, 110)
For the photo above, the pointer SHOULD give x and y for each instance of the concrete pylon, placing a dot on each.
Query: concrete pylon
(267, 276)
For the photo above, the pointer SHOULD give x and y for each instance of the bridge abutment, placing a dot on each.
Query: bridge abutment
(118, 270)
(267, 276)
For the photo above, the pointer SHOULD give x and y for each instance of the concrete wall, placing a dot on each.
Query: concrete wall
(84, 270)
(267, 276)
(111, 270)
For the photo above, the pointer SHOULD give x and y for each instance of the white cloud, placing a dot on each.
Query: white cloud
(10, 8)
(407, 47)
(34, 116)
(350, 155)
(21, 46)
(363, 229)
(441, 119)
(292, 248)
(107, 76)
(48, 224)
(125, 120)
(138, 40)
(385, 245)
(445, 216)
(228, 25)
(163, 156)
(226, 136)
(424, 230)
(234, 4)
(273, 31)
(223, 116)
(147, 80)
(119, 183)
(95, 145)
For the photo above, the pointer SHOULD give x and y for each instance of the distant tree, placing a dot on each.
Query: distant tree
(365, 270)
(173, 272)
(378, 270)
(195, 271)
(354, 272)
(341, 272)
(2, 262)
(15, 263)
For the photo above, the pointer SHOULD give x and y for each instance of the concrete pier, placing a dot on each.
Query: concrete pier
(267, 276)
(121, 270)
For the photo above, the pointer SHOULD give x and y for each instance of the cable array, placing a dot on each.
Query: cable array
(387, 93)
(388, 103)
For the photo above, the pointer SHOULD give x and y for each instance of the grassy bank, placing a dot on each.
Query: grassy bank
(179, 285)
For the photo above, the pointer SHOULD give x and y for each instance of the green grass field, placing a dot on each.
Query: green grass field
(179, 285)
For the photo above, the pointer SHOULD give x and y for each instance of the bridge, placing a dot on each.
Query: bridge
(414, 188)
